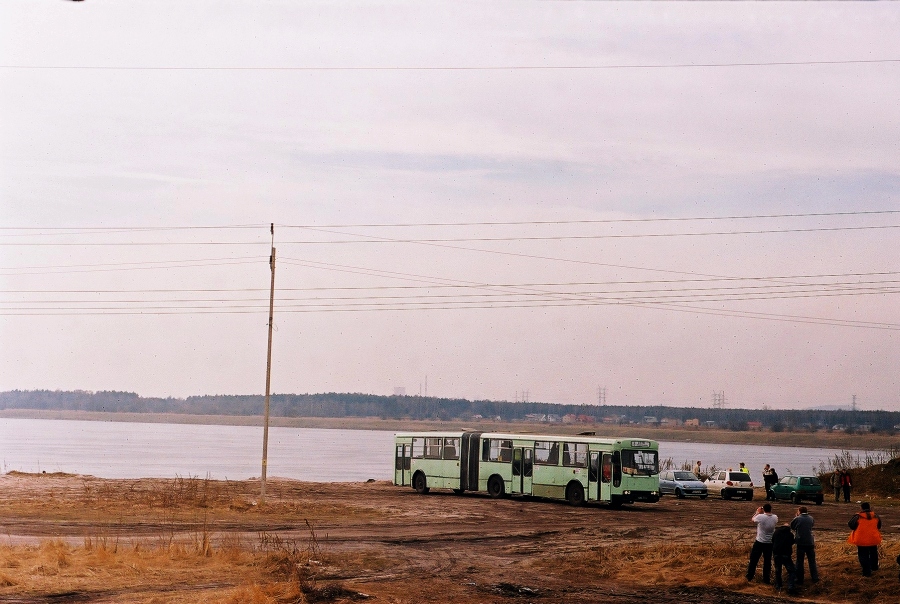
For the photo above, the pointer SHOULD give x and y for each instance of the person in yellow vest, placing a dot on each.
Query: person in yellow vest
(866, 536)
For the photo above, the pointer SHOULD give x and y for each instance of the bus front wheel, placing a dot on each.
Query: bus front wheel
(575, 494)
(420, 484)
(495, 487)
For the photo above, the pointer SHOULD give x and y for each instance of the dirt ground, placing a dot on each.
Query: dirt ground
(66, 538)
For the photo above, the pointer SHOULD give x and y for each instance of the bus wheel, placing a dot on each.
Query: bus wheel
(495, 486)
(575, 493)
(615, 502)
(420, 484)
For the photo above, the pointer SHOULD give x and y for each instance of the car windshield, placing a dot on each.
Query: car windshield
(685, 476)
(739, 477)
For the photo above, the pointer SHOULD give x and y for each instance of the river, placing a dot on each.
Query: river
(135, 450)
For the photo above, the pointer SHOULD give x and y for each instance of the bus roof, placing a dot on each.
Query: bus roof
(622, 440)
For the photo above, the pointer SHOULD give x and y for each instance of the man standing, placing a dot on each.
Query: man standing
(766, 522)
(846, 484)
(836, 484)
(697, 469)
(783, 554)
(802, 524)
(866, 536)
(770, 477)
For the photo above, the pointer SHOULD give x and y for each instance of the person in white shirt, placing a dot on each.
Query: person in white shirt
(766, 522)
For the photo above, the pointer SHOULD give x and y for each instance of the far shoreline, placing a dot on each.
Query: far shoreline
(820, 439)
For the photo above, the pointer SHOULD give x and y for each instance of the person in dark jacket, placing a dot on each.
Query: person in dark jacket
(802, 524)
(846, 484)
(783, 556)
(866, 536)
(770, 477)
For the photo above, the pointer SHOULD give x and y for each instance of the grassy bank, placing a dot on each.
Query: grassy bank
(829, 440)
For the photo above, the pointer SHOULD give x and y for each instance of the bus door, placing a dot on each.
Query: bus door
(402, 465)
(606, 475)
(594, 477)
(522, 470)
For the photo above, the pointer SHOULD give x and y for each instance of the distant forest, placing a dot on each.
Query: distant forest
(334, 404)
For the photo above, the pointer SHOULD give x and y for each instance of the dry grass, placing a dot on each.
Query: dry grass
(722, 563)
(269, 570)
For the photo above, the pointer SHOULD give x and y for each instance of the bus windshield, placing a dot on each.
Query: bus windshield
(645, 463)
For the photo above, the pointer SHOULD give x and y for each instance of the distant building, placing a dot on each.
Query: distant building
(399, 391)
(670, 422)
(755, 426)
(693, 423)
(651, 420)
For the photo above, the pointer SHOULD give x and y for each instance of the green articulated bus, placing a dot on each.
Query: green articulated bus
(575, 468)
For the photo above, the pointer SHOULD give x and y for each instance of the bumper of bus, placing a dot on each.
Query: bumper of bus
(644, 496)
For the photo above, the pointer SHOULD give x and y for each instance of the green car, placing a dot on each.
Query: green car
(798, 488)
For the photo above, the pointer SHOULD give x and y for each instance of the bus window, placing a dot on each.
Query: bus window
(433, 447)
(528, 464)
(546, 453)
(575, 454)
(644, 463)
(451, 448)
(418, 448)
(497, 450)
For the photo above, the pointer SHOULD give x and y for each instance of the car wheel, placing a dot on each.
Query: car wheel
(726, 495)
(819, 500)
(749, 496)
(703, 496)
(796, 498)
(679, 493)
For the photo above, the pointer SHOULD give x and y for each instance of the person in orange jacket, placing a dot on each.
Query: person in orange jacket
(866, 536)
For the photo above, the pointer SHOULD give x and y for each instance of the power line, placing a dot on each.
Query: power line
(594, 221)
(361, 238)
(57, 231)
(623, 66)
(578, 237)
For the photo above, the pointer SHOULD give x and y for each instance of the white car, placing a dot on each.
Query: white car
(730, 484)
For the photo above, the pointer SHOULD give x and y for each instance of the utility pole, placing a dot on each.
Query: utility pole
(265, 454)
(601, 396)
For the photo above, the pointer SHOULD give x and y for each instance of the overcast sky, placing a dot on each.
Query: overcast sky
(501, 200)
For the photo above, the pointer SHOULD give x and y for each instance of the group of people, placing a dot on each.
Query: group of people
(775, 544)
(841, 483)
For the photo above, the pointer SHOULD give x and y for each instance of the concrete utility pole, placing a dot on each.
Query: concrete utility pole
(265, 454)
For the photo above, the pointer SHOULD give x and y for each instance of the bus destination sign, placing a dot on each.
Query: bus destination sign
(640, 444)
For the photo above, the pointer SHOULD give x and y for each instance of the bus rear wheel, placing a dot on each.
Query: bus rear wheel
(420, 483)
(575, 494)
(495, 486)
